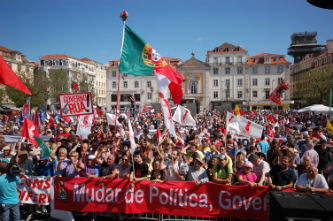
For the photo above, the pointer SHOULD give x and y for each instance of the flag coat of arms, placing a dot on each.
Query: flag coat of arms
(140, 59)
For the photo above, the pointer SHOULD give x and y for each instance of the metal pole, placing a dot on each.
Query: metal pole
(329, 111)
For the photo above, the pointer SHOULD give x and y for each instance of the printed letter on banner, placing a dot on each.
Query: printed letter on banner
(35, 190)
(171, 198)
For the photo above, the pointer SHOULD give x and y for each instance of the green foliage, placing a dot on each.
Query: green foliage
(38, 88)
(59, 83)
(86, 86)
(2, 95)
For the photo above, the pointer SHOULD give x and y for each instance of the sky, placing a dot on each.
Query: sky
(175, 28)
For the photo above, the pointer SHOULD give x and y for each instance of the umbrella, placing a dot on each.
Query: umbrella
(315, 108)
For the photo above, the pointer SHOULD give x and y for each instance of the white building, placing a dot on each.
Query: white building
(77, 69)
(142, 88)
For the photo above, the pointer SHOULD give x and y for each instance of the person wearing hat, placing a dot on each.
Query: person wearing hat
(222, 172)
(6, 155)
(197, 173)
(246, 176)
(25, 164)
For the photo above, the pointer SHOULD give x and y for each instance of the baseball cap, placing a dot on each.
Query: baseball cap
(6, 148)
(222, 156)
(248, 164)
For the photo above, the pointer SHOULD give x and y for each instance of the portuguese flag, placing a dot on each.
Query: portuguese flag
(140, 59)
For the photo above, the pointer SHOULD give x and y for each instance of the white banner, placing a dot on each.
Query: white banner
(84, 126)
(242, 126)
(35, 190)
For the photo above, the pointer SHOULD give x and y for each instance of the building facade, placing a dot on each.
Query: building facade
(312, 77)
(78, 69)
(142, 88)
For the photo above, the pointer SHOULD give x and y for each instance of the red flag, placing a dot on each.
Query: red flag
(99, 112)
(67, 119)
(275, 96)
(271, 119)
(29, 130)
(37, 119)
(146, 109)
(9, 78)
(271, 132)
(158, 135)
(51, 120)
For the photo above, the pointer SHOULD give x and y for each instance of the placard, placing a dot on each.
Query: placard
(76, 104)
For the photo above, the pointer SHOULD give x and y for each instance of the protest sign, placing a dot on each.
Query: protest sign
(178, 198)
(35, 190)
(75, 104)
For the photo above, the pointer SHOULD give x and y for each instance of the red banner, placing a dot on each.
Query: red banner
(171, 198)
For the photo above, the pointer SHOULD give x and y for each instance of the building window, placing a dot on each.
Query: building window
(148, 84)
(280, 80)
(266, 93)
(216, 94)
(215, 70)
(114, 84)
(227, 83)
(239, 82)
(254, 94)
(227, 93)
(280, 69)
(227, 70)
(254, 70)
(254, 82)
(216, 83)
(267, 59)
(239, 94)
(193, 87)
(239, 70)
(114, 73)
(227, 60)
(267, 81)
(125, 84)
(267, 69)
(149, 95)
(239, 59)
(216, 61)
(136, 84)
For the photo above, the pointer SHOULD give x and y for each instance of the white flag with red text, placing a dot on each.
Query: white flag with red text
(239, 125)
(84, 125)
(163, 87)
(131, 135)
(183, 116)
(111, 118)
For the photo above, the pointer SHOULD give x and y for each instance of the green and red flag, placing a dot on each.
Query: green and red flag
(74, 85)
(140, 59)
(45, 150)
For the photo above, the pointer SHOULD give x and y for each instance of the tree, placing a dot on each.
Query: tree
(2, 95)
(87, 86)
(38, 88)
(59, 83)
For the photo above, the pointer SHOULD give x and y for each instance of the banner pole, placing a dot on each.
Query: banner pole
(329, 111)
(115, 120)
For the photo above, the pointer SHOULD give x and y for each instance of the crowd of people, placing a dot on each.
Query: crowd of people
(295, 151)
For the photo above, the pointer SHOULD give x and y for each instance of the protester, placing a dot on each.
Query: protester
(312, 182)
(281, 176)
(246, 176)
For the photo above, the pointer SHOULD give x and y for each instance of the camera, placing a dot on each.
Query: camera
(13, 169)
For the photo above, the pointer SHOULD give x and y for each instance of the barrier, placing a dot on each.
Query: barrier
(170, 198)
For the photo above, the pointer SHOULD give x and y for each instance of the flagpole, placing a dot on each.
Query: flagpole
(123, 16)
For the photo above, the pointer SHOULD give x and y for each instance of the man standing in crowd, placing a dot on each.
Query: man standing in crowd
(312, 182)
(9, 207)
(281, 176)
(140, 168)
(197, 173)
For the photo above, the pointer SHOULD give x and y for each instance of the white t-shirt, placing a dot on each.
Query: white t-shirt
(318, 182)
